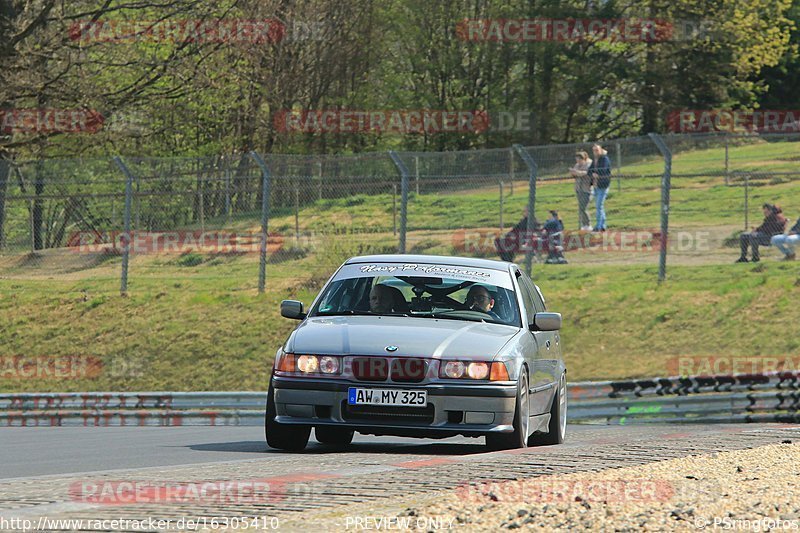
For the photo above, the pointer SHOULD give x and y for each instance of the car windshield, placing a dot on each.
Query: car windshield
(429, 297)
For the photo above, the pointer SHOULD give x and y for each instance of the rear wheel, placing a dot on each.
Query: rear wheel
(289, 437)
(335, 436)
(522, 413)
(558, 418)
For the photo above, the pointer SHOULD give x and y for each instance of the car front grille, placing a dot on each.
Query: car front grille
(377, 413)
(370, 368)
(400, 369)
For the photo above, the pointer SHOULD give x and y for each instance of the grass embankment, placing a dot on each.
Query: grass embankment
(216, 336)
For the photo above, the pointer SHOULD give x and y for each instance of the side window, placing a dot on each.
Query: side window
(538, 300)
(527, 298)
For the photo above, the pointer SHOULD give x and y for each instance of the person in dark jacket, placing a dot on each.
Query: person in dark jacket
(510, 244)
(553, 227)
(600, 172)
(787, 243)
(774, 224)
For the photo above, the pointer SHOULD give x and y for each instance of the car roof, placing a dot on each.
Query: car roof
(432, 259)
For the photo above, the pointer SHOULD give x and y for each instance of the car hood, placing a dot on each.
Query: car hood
(420, 337)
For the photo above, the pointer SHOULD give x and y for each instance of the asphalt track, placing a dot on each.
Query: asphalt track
(42, 468)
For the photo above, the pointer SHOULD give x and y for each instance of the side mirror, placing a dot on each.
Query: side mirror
(546, 322)
(292, 309)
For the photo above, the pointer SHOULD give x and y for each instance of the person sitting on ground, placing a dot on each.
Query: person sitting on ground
(774, 224)
(787, 243)
(513, 241)
(552, 230)
(479, 299)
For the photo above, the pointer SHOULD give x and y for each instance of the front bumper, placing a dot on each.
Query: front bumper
(453, 409)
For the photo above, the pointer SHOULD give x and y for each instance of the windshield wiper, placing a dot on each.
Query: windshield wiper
(349, 312)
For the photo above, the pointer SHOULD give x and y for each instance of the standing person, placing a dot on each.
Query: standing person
(774, 224)
(787, 243)
(600, 173)
(583, 188)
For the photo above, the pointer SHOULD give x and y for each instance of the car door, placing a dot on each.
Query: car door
(545, 369)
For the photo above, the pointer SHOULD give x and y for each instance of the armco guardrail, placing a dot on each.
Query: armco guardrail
(716, 399)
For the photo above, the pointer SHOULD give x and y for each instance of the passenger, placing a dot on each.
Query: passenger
(774, 224)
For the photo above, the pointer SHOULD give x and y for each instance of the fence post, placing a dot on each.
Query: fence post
(532, 169)
(394, 209)
(227, 188)
(404, 176)
(262, 264)
(297, 215)
(416, 172)
(746, 200)
(5, 177)
(619, 167)
(666, 184)
(502, 227)
(727, 162)
(511, 172)
(126, 242)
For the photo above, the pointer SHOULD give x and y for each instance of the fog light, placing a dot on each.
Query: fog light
(454, 369)
(307, 363)
(329, 365)
(478, 370)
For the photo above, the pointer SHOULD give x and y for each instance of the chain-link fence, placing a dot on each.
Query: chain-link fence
(231, 222)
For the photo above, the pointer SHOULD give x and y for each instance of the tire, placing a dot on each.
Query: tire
(289, 437)
(333, 435)
(558, 419)
(522, 411)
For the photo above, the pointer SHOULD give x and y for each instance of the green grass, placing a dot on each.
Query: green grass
(210, 334)
(195, 321)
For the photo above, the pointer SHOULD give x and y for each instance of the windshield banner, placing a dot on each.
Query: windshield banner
(498, 278)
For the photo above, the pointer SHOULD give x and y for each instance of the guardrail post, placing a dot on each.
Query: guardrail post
(666, 184)
(126, 242)
(404, 177)
(532, 169)
(265, 183)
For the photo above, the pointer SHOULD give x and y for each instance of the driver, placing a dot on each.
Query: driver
(381, 299)
(479, 299)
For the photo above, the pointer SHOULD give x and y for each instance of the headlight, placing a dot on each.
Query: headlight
(309, 364)
(454, 369)
(329, 365)
(478, 370)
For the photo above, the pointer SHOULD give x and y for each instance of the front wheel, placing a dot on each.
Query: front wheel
(557, 429)
(289, 437)
(522, 417)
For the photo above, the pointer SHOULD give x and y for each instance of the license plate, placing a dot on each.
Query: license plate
(396, 397)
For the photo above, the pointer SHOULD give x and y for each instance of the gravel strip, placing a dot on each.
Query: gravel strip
(752, 490)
